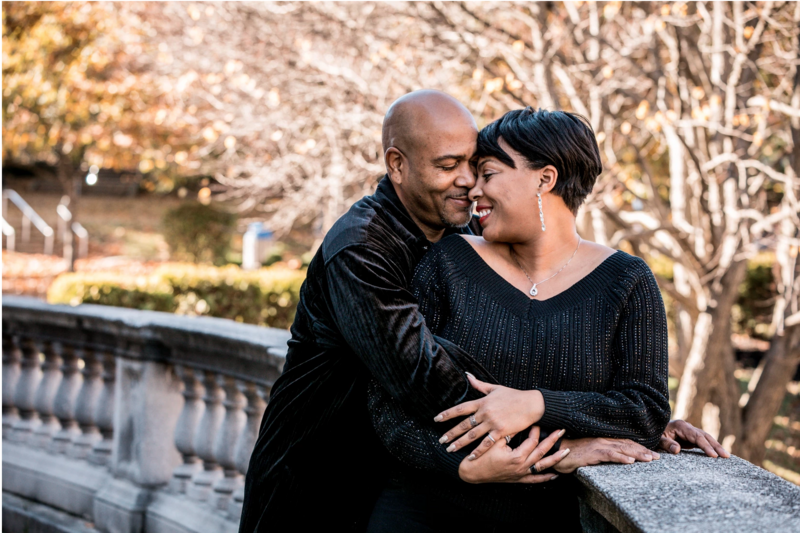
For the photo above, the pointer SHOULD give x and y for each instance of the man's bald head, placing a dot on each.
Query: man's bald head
(415, 117)
(429, 139)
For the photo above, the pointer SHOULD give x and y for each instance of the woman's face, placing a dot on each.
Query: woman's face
(506, 198)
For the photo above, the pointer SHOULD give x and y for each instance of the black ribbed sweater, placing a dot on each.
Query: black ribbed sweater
(597, 352)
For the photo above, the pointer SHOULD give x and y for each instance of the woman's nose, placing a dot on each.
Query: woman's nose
(475, 193)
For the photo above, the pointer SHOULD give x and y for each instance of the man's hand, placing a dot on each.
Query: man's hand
(502, 464)
(593, 451)
(680, 434)
(502, 412)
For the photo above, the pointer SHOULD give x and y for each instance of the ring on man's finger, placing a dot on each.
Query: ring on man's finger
(489, 436)
(472, 421)
(534, 469)
(508, 439)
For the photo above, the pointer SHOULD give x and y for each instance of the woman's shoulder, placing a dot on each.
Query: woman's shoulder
(631, 270)
(457, 244)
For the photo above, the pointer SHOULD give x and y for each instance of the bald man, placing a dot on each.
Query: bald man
(317, 463)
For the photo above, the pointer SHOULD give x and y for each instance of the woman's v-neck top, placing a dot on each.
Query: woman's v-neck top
(597, 352)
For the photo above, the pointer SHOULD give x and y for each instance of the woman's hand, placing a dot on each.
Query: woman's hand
(502, 464)
(502, 412)
(681, 434)
(593, 451)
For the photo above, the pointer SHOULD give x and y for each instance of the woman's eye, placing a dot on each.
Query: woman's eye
(487, 175)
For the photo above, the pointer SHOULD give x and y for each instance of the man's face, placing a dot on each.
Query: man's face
(440, 175)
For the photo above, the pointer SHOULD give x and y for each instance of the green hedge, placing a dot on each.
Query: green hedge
(267, 297)
(198, 233)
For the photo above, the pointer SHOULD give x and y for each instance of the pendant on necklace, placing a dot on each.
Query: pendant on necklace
(534, 290)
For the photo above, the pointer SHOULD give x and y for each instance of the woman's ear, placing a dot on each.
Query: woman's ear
(549, 176)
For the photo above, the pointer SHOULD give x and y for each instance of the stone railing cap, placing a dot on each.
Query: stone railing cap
(248, 333)
(691, 493)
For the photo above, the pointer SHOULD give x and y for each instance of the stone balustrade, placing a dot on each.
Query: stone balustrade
(133, 420)
(137, 421)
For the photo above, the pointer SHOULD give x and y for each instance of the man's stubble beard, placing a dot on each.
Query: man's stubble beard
(451, 224)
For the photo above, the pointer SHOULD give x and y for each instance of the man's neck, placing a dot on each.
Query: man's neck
(432, 234)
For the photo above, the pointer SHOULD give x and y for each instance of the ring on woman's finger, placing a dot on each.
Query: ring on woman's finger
(508, 439)
(472, 421)
(489, 436)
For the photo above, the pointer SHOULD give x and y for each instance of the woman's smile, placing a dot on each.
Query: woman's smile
(483, 212)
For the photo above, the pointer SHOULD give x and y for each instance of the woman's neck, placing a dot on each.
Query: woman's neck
(548, 251)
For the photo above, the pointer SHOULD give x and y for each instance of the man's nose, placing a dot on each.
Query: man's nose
(466, 178)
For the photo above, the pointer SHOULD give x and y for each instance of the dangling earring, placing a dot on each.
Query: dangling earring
(541, 213)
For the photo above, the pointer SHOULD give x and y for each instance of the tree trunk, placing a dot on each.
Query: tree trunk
(709, 357)
(780, 364)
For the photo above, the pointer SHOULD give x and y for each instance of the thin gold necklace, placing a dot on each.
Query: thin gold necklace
(534, 291)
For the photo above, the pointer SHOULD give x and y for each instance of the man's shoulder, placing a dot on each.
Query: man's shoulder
(362, 225)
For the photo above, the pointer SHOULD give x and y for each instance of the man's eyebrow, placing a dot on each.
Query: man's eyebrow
(446, 157)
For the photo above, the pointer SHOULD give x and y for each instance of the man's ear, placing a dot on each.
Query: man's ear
(396, 165)
(549, 176)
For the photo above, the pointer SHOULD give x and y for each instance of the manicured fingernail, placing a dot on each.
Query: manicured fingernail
(451, 448)
(552, 478)
(443, 439)
(471, 457)
(648, 456)
(437, 418)
(630, 460)
(470, 375)
(561, 433)
(674, 448)
(656, 456)
(565, 452)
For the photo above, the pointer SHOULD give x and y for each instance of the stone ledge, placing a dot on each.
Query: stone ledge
(56, 480)
(20, 514)
(691, 493)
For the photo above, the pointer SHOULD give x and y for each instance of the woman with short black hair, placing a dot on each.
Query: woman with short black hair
(575, 329)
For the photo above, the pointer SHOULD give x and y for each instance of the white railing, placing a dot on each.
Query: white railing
(29, 216)
(9, 233)
(67, 230)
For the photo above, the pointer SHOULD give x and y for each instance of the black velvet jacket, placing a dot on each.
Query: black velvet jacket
(317, 461)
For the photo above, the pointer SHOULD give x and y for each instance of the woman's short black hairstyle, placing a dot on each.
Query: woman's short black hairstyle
(564, 140)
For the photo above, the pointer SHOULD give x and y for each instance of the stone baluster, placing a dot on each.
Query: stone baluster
(225, 444)
(25, 393)
(64, 403)
(247, 440)
(12, 356)
(202, 481)
(186, 428)
(104, 414)
(86, 405)
(45, 395)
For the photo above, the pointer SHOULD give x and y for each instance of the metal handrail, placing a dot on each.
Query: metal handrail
(83, 239)
(29, 216)
(65, 231)
(10, 234)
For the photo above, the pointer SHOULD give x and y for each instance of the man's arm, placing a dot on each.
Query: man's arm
(380, 320)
